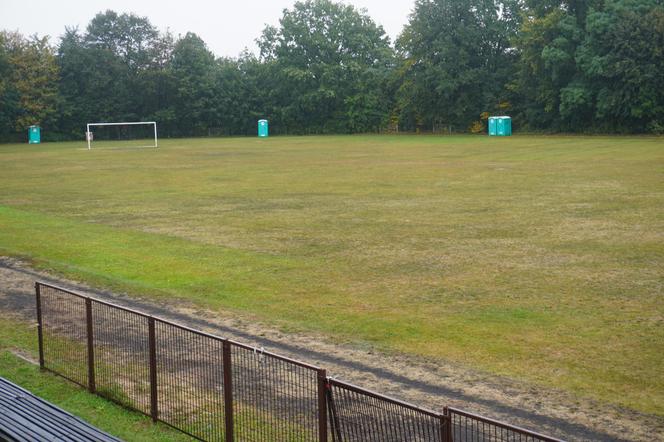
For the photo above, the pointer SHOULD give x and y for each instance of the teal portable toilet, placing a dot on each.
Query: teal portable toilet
(500, 126)
(34, 135)
(262, 128)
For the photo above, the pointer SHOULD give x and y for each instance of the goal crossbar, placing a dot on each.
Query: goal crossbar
(125, 123)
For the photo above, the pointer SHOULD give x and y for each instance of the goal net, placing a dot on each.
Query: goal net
(126, 134)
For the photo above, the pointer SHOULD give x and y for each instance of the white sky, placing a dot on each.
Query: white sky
(226, 26)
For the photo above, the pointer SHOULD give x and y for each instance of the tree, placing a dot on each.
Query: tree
(155, 85)
(193, 67)
(332, 61)
(117, 70)
(547, 47)
(128, 36)
(9, 96)
(622, 58)
(457, 60)
(243, 94)
(593, 65)
(554, 65)
(30, 87)
(125, 45)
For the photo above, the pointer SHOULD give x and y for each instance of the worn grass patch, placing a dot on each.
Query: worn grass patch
(534, 257)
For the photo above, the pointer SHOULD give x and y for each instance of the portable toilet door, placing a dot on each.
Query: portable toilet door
(500, 129)
(492, 126)
(263, 129)
(34, 135)
(508, 126)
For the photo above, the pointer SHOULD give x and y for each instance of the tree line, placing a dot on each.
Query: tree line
(554, 66)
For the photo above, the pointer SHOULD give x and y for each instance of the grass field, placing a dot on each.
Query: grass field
(539, 258)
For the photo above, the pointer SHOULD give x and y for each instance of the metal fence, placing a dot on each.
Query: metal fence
(469, 427)
(357, 414)
(215, 389)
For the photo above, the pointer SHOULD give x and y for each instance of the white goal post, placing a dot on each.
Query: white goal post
(89, 136)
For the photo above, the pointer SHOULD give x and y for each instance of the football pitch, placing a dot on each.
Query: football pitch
(537, 258)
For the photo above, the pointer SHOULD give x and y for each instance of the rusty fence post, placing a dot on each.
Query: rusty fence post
(91, 347)
(40, 335)
(443, 428)
(322, 405)
(447, 434)
(228, 389)
(333, 416)
(154, 410)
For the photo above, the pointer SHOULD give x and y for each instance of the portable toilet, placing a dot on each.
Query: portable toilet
(500, 126)
(34, 135)
(262, 128)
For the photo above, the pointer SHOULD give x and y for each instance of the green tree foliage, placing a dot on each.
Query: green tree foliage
(554, 65)
(332, 62)
(126, 36)
(155, 85)
(591, 66)
(244, 88)
(9, 97)
(457, 60)
(547, 65)
(622, 59)
(108, 72)
(193, 67)
(28, 89)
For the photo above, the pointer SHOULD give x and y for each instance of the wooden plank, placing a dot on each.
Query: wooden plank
(24, 416)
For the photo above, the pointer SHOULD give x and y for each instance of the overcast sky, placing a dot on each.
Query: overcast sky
(226, 26)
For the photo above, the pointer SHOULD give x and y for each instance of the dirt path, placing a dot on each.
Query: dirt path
(425, 383)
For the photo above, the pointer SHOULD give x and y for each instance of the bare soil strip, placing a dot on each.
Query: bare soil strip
(432, 384)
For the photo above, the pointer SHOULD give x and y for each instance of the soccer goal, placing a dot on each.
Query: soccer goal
(125, 134)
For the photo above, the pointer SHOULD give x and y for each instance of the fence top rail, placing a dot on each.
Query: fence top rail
(62, 289)
(274, 355)
(504, 425)
(238, 344)
(189, 329)
(180, 326)
(93, 299)
(375, 395)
